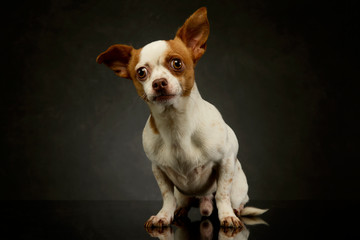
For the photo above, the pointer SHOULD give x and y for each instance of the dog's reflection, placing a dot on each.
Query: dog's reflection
(207, 228)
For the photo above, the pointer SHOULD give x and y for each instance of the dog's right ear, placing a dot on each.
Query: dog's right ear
(117, 58)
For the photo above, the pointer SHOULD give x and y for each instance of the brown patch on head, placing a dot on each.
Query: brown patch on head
(177, 49)
(132, 71)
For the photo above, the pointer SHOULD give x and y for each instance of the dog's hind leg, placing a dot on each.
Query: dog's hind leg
(239, 190)
(239, 196)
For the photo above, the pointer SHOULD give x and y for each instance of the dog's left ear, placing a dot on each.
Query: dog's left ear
(194, 33)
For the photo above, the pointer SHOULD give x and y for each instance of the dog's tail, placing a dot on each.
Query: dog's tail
(252, 211)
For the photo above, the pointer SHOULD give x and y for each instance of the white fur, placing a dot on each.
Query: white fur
(152, 57)
(193, 154)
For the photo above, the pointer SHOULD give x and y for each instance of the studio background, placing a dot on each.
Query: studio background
(282, 73)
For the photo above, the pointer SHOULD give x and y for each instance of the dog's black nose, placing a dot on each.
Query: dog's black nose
(159, 84)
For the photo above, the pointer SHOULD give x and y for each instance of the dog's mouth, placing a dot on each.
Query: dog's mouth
(163, 97)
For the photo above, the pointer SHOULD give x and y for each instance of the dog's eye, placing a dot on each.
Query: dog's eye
(142, 73)
(176, 64)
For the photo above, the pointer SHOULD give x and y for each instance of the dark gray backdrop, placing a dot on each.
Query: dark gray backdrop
(282, 73)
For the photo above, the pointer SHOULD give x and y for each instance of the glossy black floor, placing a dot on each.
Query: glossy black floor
(124, 220)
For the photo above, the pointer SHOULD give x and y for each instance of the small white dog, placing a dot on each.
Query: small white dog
(192, 150)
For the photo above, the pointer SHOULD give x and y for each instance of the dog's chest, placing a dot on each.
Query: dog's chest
(189, 146)
(183, 154)
(189, 164)
(183, 151)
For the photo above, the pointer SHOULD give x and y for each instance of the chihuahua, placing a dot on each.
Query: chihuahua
(192, 150)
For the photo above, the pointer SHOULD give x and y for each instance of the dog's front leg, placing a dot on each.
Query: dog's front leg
(166, 214)
(225, 177)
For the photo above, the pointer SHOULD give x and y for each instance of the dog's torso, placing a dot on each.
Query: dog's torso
(187, 141)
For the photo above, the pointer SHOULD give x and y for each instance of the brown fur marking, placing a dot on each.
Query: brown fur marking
(177, 49)
(153, 125)
(132, 71)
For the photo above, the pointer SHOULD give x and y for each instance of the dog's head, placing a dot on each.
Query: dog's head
(162, 71)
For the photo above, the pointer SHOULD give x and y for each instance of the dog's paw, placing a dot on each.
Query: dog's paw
(181, 212)
(231, 222)
(238, 210)
(181, 217)
(155, 221)
(229, 233)
(160, 232)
